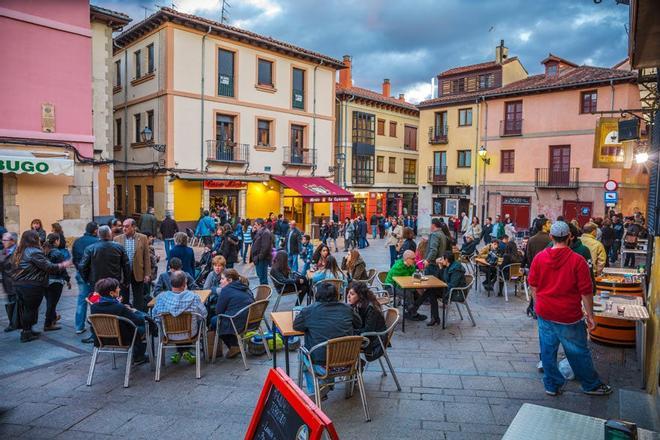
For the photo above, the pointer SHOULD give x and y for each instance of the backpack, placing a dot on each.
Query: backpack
(630, 241)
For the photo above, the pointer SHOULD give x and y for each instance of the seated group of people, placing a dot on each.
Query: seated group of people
(504, 248)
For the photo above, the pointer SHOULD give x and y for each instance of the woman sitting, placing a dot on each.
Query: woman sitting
(330, 271)
(320, 256)
(420, 254)
(354, 265)
(234, 296)
(286, 279)
(365, 303)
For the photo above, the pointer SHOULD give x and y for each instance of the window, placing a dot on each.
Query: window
(392, 129)
(265, 73)
(263, 133)
(551, 69)
(150, 196)
(380, 164)
(392, 165)
(297, 143)
(150, 121)
(138, 120)
(363, 170)
(364, 142)
(410, 138)
(464, 159)
(225, 73)
(513, 118)
(138, 198)
(298, 89)
(224, 138)
(118, 73)
(150, 58)
(438, 206)
(138, 64)
(486, 81)
(409, 171)
(506, 165)
(381, 127)
(588, 101)
(363, 129)
(118, 139)
(560, 165)
(440, 124)
(119, 197)
(464, 117)
(439, 165)
(458, 85)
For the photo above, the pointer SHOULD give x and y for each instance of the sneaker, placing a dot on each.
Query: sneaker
(10, 328)
(189, 357)
(88, 340)
(416, 317)
(80, 332)
(52, 327)
(554, 393)
(600, 390)
(233, 352)
(539, 367)
(175, 358)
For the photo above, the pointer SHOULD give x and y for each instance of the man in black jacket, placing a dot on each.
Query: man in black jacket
(9, 240)
(262, 249)
(168, 228)
(105, 259)
(292, 245)
(84, 289)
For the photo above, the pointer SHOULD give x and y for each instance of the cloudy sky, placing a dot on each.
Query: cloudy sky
(411, 41)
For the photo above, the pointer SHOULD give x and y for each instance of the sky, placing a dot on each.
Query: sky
(411, 41)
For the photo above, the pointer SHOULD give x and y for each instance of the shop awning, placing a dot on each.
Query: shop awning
(220, 177)
(25, 162)
(315, 189)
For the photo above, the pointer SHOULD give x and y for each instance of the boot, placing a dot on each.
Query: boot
(27, 336)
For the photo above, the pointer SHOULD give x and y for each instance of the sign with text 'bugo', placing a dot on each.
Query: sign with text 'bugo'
(35, 165)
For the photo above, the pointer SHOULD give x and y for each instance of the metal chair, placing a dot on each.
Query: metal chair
(107, 331)
(170, 328)
(384, 337)
(461, 294)
(284, 290)
(371, 277)
(262, 291)
(339, 285)
(192, 240)
(382, 276)
(342, 360)
(513, 273)
(383, 296)
(255, 315)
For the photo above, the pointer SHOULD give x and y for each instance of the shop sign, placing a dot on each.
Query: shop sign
(516, 201)
(223, 184)
(35, 165)
(328, 199)
(609, 151)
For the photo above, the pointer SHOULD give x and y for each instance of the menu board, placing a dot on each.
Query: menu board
(279, 421)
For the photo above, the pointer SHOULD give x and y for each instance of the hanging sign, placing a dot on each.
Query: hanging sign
(35, 165)
(609, 151)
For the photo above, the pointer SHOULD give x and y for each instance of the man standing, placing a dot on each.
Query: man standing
(277, 230)
(292, 245)
(137, 249)
(149, 223)
(168, 228)
(498, 229)
(436, 248)
(8, 247)
(206, 229)
(562, 280)
(262, 250)
(617, 225)
(373, 221)
(393, 237)
(538, 241)
(465, 223)
(596, 248)
(84, 289)
(487, 230)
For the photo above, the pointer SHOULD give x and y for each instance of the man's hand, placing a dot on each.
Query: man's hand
(590, 322)
(426, 263)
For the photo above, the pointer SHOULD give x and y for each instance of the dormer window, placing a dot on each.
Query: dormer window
(551, 69)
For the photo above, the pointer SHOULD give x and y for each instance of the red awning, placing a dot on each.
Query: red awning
(315, 189)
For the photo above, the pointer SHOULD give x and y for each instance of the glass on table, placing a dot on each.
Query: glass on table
(620, 309)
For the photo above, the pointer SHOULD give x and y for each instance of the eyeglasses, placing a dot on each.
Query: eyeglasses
(7, 239)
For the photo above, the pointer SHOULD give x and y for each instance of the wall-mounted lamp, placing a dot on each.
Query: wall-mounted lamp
(483, 154)
(147, 136)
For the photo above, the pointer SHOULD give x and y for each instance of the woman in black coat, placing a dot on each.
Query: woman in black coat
(408, 243)
(365, 303)
(229, 246)
(286, 279)
(233, 297)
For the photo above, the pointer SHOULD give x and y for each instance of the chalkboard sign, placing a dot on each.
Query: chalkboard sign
(284, 412)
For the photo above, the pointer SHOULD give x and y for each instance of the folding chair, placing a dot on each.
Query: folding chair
(283, 290)
(383, 296)
(170, 327)
(107, 331)
(192, 240)
(384, 337)
(339, 285)
(342, 360)
(262, 291)
(460, 294)
(255, 315)
(516, 275)
(382, 276)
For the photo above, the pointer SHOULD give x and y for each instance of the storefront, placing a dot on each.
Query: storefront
(450, 200)
(401, 203)
(225, 193)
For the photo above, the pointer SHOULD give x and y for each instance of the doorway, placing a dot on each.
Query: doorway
(219, 197)
(518, 209)
(582, 211)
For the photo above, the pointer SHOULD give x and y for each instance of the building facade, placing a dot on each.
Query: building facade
(230, 112)
(449, 137)
(376, 151)
(48, 135)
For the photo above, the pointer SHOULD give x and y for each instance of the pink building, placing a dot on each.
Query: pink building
(46, 109)
(539, 136)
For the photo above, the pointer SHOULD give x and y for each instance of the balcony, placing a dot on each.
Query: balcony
(511, 127)
(298, 157)
(227, 152)
(438, 135)
(437, 175)
(556, 179)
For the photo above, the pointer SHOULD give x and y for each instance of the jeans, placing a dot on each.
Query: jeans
(309, 380)
(169, 244)
(614, 251)
(84, 290)
(245, 251)
(29, 298)
(53, 294)
(374, 231)
(393, 255)
(629, 261)
(293, 262)
(573, 337)
(333, 240)
(261, 268)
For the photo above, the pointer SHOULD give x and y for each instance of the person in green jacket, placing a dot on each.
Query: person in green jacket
(403, 267)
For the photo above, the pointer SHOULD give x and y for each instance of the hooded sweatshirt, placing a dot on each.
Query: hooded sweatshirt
(561, 277)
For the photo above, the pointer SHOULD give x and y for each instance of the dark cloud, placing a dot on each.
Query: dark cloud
(411, 41)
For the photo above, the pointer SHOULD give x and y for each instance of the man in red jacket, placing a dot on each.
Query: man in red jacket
(562, 280)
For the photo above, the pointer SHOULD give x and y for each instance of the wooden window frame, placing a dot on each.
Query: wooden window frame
(504, 167)
(393, 125)
(150, 122)
(304, 72)
(467, 154)
(118, 132)
(591, 103)
(391, 165)
(408, 147)
(119, 197)
(234, 52)
(137, 59)
(271, 133)
(151, 59)
(380, 132)
(409, 171)
(466, 111)
(266, 87)
(137, 196)
(150, 196)
(380, 164)
(137, 124)
(118, 73)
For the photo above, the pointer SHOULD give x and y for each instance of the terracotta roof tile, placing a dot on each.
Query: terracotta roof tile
(475, 67)
(119, 16)
(451, 99)
(375, 96)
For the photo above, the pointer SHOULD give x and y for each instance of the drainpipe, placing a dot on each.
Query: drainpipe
(339, 129)
(125, 141)
(476, 163)
(314, 159)
(484, 210)
(201, 119)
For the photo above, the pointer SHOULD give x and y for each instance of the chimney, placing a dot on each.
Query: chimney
(402, 97)
(501, 53)
(345, 77)
(387, 88)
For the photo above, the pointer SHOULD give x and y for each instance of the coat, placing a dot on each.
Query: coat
(168, 228)
(536, 244)
(149, 224)
(205, 227)
(262, 246)
(105, 259)
(233, 297)
(597, 251)
(187, 257)
(292, 241)
(79, 246)
(110, 306)
(438, 245)
(141, 259)
(359, 271)
(372, 321)
(229, 248)
(33, 269)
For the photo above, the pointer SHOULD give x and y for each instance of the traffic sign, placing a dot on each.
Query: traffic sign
(611, 185)
(611, 198)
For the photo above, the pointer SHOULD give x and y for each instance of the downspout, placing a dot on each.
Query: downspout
(484, 211)
(476, 164)
(201, 119)
(125, 140)
(314, 159)
(339, 142)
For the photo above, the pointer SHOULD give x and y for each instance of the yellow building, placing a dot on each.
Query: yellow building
(376, 152)
(229, 111)
(449, 137)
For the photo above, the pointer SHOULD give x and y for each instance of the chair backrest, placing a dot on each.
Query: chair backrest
(391, 319)
(256, 312)
(262, 291)
(106, 327)
(342, 356)
(180, 326)
(515, 271)
(381, 277)
(469, 281)
(190, 233)
(371, 275)
(339, 285)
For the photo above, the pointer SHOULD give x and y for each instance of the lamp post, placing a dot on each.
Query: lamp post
(483, 154)
(147, 136)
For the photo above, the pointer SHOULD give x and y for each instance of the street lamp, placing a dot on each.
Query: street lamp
(483, 154)
(147, 136)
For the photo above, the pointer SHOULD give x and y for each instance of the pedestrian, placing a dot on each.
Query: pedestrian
(465, 222)
(56, 228)
(498, 228)
(394, 236)
(324, 232)
(9, 240)
(262, 250)
(149, 222)
(37, 226)
(30, 271)
(349, 232)
(292, 245)
(306, 252)
(474, 230)
(563, 290)
(84, 288)
(205, 229)
(117, 227)
(229, 247)
(247, 239)
(168, 227)
(137, 249)
(607, 238)
(407, 242)
(596, 248)
(56, 281)
(630, 237)
(536, 244)
(509, 229)
(277, 230)
(362, 233)
(437, 246)
(333, 233)
(487, 231)
(184, 253)
(381, 226)
(373, 222)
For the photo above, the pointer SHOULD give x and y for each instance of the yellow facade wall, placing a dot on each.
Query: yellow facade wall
(262, 200)
(41, 196)
(652, 348)
(187, 200)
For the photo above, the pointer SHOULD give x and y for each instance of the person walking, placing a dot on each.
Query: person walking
(247, 240)
(56, 228)
(9, 240)
(183, 252)
(394, 236)
(596, 248)
(333, 233)
(84, 288)
(562, 280)
(137, 249)
(536, 244)
(473, 230)
(349, 233)
(373, 222)
(607, 238)
(292, 245)
(168, 227)
(465, 223)
(149, 222)
(229, 246)
(105, 259)
(617, 225)
(487, 231)
(205, 229)
(262, 250)
(37, 226)
(437, 246)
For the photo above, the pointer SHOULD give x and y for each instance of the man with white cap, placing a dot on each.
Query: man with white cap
(562, 280)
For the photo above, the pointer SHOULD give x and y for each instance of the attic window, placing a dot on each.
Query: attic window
(551, 69)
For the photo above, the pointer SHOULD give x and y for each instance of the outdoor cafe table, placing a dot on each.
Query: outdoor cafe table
(410, 283)
(203, 295)
(283, 324)
(542, 423)
(620, 271)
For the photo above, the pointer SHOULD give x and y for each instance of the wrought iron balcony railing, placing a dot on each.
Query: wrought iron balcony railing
(437, 175)
(438, 134)
(298, 156)
(561, 178)
(227, 151)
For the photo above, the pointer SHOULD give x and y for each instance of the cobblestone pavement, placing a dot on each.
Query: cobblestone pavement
(463, 382)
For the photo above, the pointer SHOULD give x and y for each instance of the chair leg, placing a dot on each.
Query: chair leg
(240, 346)
(215, 342)
(459, 310)
(301, 365)
(506, 291)
(317, 389)
(526, 290)
(389, 364)
(277, 303)
(129, 364)
(95, 354)
(382, 367)
(363, 395)
(114, 361)
(159, 361)
(467, 306)
(263, 341)
(150, 351)
(198, 359)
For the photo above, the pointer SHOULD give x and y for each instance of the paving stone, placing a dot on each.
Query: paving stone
(441, 381)
(10, 430)
(468, 412)
(38, 433)
(504, 414)
(106, 421)
(470, 436)
(25, 413)
(482, 383)
(440, 426)
(63, 417)
(479, 428)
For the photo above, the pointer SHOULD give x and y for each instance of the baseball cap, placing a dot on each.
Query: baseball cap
(559, 229)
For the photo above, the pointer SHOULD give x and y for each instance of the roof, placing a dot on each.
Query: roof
(113, 18)
(375, 96)
(475, 67)
(223, 30)
(315, 189)
(451, 99)
(553, 57)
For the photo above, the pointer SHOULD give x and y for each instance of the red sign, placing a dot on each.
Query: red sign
(611, 185)
(284, 412)
(223, 184)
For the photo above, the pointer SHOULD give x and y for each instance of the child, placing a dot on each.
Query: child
(306, 252)
(213, 279)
